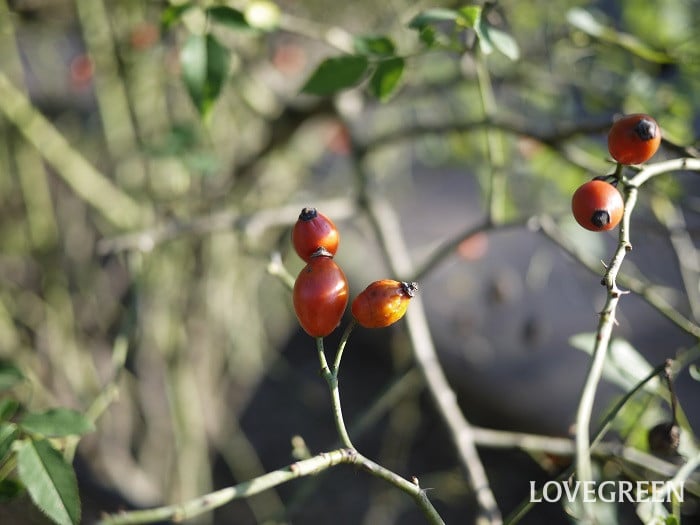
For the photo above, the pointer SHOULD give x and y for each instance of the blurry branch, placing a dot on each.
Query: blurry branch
(513, 124)
(629, 454)
(497, 195)
(682, 151)
(86, 181)
(251, 225)
(334, 36)
(306, 467)
(646, 291)
(386, 226)
(110, 90)
(562, 446)
(449, 247)
(682, 243)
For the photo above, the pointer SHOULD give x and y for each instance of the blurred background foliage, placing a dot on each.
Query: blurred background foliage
(181, 277)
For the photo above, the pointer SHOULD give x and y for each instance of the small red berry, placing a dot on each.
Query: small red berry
(320, 295)
(634, 139)
(313, 230)
(597, 205)
(382, 303)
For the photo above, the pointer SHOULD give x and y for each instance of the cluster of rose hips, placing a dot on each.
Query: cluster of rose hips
(633, 139)
(320, 292)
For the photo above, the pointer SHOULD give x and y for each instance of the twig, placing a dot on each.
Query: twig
(216, 499)
(448, 247)
(85, 180)
(386, 226)
(252, 225)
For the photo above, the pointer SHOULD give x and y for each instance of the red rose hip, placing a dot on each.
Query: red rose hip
(320, 295)
(597, 205)
(382, 303)
(634, 139)
(313, 230)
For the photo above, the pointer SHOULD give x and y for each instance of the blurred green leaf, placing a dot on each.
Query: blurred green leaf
(205, 65)
(694, 372)
(8, 408)
(469, 16)
(335, 74)
(374, 45)
(428, 36)
(263, 15)
(502, 41)
(57, 422)
(229, 17)
(50, 481)
(432, 16)
(8, 434)
(586, 22)
(172, 14)
(10, 375)
(624, 365)
(386, 78)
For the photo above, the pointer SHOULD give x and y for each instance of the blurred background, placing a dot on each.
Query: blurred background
(134, 254)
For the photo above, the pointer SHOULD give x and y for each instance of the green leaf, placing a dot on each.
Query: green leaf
(10, 375)
(624, 365)
(428, 36)
(50, 481)
(8, 434)
(586, 22)
(502, 41)
(694, 372)
(263, 15)
(432, 16)
(229, 17)
(205, 65)
(335, 74)
(386, 78)
(172, 14)
(8, 408)
(57, 422)
(469, 16)
(374, 46)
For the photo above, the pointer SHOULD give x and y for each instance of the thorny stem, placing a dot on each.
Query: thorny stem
(671, 391)
(607, 317)
(603, 335)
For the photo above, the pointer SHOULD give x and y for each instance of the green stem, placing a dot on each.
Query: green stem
(341, 346)
(331, 378)
(494, 146)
